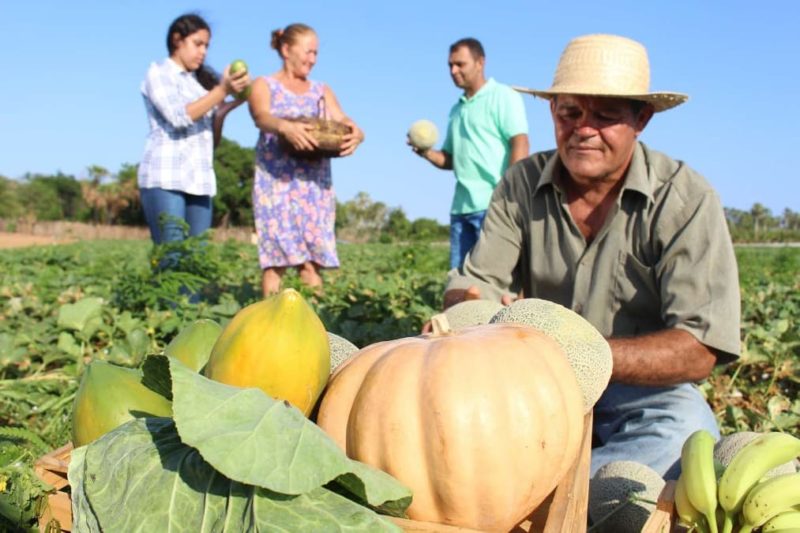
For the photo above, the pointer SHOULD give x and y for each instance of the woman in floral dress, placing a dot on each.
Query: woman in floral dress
(293, 199)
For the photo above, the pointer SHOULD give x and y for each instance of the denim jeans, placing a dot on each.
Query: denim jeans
(195, 210)
(464, 232)
(648, 425)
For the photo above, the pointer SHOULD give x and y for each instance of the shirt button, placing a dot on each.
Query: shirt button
(577, 308)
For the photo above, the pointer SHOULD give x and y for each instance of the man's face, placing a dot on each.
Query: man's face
(465, 70)
(596, 135)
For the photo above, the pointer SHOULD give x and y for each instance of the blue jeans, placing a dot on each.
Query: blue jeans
(195, 210)
(648, 425)
(464, 231)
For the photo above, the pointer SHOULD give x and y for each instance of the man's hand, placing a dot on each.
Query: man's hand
(455, 296)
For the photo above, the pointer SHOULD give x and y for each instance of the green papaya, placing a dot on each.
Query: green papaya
(107, 397)
(278, 345)
(192, 346)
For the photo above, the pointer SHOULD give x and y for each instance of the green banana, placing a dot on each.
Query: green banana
(688, 515)
(768, 499)
(749, 465)
(786, 521)
(700, 478)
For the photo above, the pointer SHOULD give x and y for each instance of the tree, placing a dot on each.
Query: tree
(361, 218)
(10, 205)
(397, 225)
(760, 216)
(791, 220)
(106, 201)
(234, 167)
(428, 229)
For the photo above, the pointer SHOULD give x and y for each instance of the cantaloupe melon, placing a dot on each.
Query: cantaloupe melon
(423, 134)
(588, 352)
(341, 350)
(610, 489)
(729, 445)
(471, 313)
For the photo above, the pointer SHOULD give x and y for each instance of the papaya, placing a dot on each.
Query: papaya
(192, 346)
(107, 397)
(278, 345)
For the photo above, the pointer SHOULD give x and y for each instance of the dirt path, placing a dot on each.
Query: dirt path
(18, 240)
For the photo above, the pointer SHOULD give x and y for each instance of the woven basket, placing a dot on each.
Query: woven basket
(328, 133)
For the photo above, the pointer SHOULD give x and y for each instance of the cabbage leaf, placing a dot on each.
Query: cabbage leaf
(141, 477)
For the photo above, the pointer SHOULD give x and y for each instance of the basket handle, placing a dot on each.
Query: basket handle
(322, 110)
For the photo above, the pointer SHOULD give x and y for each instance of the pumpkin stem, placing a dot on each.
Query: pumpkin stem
(440, 324)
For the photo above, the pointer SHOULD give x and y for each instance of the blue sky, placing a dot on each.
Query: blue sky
(72, 70)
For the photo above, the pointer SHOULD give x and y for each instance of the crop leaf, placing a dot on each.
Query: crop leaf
(141, 477)
(254, 439)
(80, 314)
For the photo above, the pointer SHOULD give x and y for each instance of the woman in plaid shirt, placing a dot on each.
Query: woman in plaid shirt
(186, 107)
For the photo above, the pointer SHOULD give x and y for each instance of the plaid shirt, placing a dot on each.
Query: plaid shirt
(178, 154)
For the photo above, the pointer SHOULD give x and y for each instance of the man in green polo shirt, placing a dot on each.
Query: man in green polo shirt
(631, 239)
(487, 131)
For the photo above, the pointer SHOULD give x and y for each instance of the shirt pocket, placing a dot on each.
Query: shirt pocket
(637, 296)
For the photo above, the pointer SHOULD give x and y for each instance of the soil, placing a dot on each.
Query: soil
(18, 240)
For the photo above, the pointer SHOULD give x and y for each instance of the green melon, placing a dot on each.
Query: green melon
(609, 490)
(341, 350)
(588, 352)
(471, 313)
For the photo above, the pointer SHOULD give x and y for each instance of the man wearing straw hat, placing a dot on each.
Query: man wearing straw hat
(632, 240)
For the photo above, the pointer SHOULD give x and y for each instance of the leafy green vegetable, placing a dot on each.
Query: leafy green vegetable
(141, 477)
(257, 440)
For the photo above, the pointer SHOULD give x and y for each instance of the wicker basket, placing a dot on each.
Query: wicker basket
(328, 133)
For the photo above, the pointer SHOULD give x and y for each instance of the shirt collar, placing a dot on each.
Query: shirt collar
(176, 67)
(484, 90)
(635, 180)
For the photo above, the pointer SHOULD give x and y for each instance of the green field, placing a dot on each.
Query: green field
(61, 306)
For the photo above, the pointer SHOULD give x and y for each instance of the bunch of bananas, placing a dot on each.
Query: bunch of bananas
(712, 498)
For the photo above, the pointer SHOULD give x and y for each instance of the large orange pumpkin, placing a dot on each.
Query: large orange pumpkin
(481, 423)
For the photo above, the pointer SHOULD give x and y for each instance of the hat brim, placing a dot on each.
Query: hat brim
(661, 101)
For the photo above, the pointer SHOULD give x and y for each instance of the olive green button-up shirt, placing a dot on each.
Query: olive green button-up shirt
(664, 258)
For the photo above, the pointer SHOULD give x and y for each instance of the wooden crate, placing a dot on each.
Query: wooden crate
(564, 511)
(664, 518)
(52, 469)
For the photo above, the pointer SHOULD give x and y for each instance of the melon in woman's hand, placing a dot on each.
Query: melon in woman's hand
(240, 66)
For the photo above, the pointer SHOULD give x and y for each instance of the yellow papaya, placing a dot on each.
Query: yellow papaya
(107, 397)
(192, 346)
(278, 345)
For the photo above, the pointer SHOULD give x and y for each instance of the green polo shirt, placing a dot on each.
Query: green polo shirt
(664, 258)
(478, 139)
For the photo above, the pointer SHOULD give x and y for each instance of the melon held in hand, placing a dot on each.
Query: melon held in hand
(423, 134)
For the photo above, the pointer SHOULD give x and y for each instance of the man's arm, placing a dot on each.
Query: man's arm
(663, 358)
(520, 148)
(438, 158)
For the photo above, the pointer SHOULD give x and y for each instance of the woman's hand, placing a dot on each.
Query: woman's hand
(298, 134)
(350, 141)
(234, 83)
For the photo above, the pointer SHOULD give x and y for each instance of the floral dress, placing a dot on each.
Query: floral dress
(294, 206)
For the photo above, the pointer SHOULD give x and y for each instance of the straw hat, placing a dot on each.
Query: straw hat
(607, 65)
